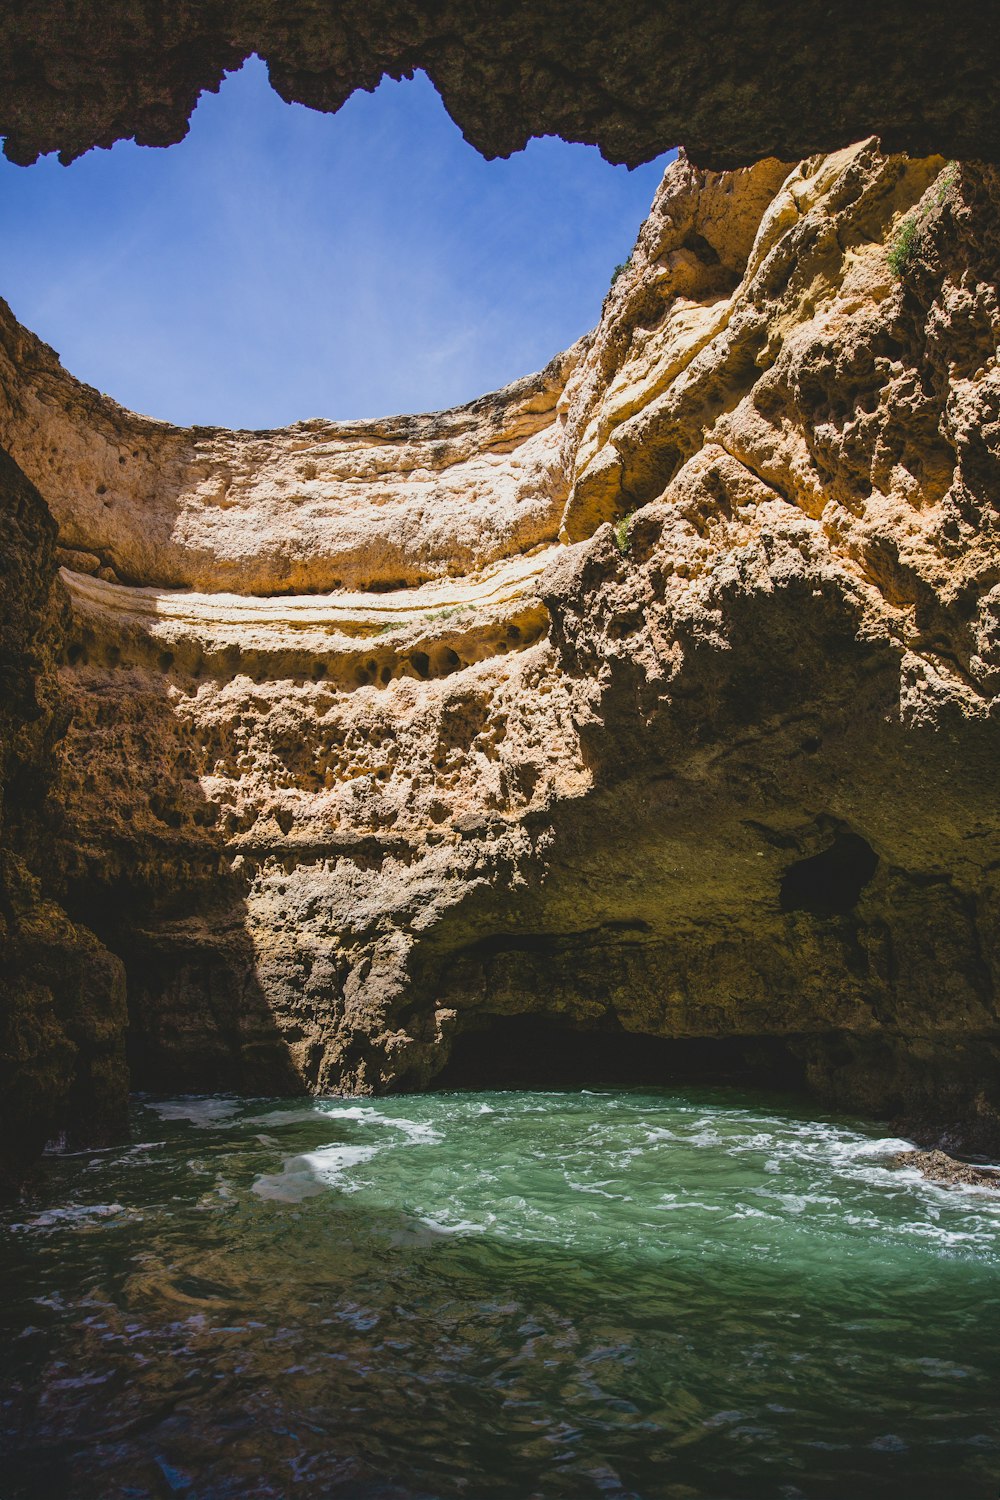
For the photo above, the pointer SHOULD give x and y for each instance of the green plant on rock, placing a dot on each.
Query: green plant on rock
(623, 539)
(903, 250)
(902, 253)
(945, 183)
(449, 613)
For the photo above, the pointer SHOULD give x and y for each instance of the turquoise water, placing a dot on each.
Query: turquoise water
(656, 1295)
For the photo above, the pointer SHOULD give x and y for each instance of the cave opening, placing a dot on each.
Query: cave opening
(281, 264)
(531, 1051)
(829, 884)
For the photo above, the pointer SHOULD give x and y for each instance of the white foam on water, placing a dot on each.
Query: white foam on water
(417, 1131)
(763, 1140)
(463, 1226)
(312, 1173)
(285, 1117)
(331, 1110)
(597, 1188)
(200, 1112)
(947, 1238)
(331, 1162)
(74, 1216)
(667, 1205)
(882, 1147)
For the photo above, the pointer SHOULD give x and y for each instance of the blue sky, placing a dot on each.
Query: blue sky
(281, 264)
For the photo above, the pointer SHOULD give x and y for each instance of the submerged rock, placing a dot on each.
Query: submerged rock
(652, 697)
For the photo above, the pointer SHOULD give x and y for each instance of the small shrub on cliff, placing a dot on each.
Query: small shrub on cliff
(447, 614)
(902, 253)
(903, 250)
(623, 540)
(945, 182)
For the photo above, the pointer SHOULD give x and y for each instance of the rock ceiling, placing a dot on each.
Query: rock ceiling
(732, 82)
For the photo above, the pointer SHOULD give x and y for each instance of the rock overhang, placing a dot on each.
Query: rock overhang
(731, 82)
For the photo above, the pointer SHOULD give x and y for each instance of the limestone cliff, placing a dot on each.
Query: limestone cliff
(62, 996)
(651, 698)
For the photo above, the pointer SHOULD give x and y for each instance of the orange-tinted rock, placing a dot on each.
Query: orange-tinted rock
(654, 696)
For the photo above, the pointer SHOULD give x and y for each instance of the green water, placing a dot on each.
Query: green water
(665, 1295)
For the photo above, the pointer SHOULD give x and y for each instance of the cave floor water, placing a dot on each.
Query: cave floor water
(612, 1293)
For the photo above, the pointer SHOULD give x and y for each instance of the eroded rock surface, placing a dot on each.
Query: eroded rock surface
(938, 1166)
(62, 995)
(730, 81)
(654, 696)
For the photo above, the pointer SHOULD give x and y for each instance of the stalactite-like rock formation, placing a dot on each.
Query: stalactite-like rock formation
(734, 82)
(652, 699)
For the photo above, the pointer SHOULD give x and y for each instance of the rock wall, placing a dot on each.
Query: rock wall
(62, 995)
(651, 700)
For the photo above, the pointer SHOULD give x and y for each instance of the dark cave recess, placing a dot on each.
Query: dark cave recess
(829, 884)
(544, 1052)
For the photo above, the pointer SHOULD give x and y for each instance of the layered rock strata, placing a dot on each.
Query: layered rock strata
(652, 699)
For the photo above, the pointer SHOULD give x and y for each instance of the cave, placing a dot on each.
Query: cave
(428, 805)
(543, 1052)
(285, 801)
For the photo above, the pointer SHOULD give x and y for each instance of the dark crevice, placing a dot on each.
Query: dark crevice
(547, 942)
(830, 884)
(532, 1051)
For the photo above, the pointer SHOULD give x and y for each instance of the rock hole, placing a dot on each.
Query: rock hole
(383, 585)
(829, 884)
(699, 246)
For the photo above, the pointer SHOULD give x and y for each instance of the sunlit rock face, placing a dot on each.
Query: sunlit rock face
(653, 696)
(734, 82)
